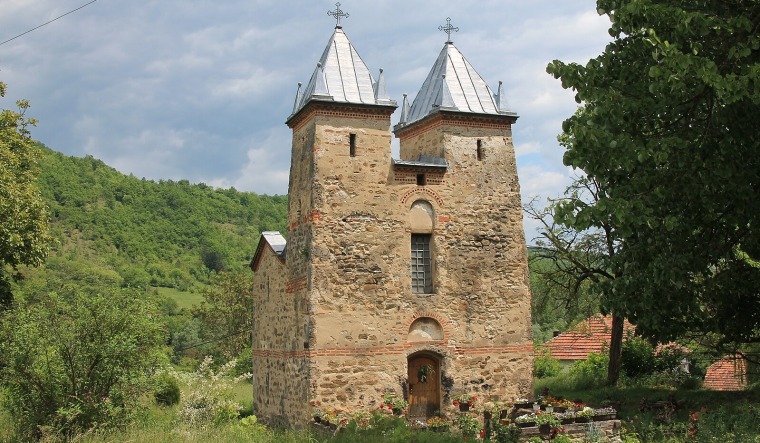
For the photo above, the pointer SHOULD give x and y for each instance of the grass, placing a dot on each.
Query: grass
(185, 300)
(730, 417)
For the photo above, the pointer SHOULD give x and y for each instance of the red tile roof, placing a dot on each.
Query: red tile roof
(590, 335)
(727, 374)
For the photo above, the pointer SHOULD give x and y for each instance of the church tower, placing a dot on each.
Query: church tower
(405, 276)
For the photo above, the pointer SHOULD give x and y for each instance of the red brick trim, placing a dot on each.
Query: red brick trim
(485, 121)
(399, 349)
(423, 191)
(339, 109)
(295, 285)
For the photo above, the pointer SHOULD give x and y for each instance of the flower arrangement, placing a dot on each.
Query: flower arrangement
(527, 418)
(329, 416)
(605, 411)
(392, 402)
(567, 404)
(465, 399)
(584, 413)
(437, 422)
(547, 418)
(361, 420)
(467, 424)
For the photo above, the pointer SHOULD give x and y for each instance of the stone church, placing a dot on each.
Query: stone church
(403, 275)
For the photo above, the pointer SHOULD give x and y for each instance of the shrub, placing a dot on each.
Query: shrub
(166, 392)
(209, 401)
(77, 361)
(546, 366)
(586, 373)
(637, 357)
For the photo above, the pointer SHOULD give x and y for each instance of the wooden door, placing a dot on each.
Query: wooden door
(424, 378)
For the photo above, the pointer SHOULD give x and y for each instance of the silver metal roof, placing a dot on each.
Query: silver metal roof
(423, 161)
(342, 76)
(275, 240)
(453, 84)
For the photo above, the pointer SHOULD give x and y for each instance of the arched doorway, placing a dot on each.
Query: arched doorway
(424, 379)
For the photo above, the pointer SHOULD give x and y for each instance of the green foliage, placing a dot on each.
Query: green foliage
(24, 238)
(729, 422)
(669, 129)
(544, 365)
(209, 401)
(169, 234)
(76, 361)
(506, 433)
(166, 391)
(227, 310)
(467, 425)
(638, 357)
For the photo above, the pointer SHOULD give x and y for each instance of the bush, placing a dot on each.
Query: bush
(590, 372)
(166, 392)
(730, 423)
(209, 402)
(546, 366)
(78, 361)
(637, 357)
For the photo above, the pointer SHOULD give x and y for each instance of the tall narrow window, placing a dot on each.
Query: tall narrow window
(352, 145)
(479, 151)
(421, 180)
(422, 265)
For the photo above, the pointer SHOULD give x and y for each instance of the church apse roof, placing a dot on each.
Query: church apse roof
(454, 85)
(342, 76)
(274, 241)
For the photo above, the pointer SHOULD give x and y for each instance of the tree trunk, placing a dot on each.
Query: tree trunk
(616, 350)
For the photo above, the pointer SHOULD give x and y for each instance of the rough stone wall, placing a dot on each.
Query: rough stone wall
(337, 331)
(280, 365)
(360, 281)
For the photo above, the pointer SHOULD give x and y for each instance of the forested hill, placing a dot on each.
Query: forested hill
(137, 232)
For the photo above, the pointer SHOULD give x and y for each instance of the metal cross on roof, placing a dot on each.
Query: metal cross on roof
(337, 14)
(447, 29)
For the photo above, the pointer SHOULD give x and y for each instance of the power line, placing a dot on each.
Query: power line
(212, 340)
(51, 21)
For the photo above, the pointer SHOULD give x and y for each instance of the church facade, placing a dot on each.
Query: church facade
(405, 276)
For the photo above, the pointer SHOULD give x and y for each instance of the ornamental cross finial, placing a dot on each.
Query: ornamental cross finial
(447, 29)
(337, 14)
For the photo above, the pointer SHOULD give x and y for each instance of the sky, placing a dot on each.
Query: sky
(200, 90)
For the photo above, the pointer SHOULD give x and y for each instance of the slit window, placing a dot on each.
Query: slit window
(422, 264)
(421, 180)
(479, 150)
(352, 145)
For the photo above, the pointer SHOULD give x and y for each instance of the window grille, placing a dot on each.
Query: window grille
(422, 268)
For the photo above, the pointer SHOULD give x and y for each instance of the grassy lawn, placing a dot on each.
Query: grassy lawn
(185, 300)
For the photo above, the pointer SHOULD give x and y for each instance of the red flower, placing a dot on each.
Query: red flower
(455, 403)
(474, 398)
(482, 433)
(469, 403)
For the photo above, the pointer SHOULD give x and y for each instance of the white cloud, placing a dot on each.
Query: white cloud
(177, 89)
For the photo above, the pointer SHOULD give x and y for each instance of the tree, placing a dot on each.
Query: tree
(668, 129)
(227, 311)
(78, 360)
(574, 261)
(24, 238)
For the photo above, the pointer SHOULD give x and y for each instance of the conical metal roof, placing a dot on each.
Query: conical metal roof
(453, 84)
(342, 76)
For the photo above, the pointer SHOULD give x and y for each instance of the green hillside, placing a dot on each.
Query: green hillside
(122, 230)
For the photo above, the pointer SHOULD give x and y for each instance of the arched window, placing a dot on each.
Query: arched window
(421, 218)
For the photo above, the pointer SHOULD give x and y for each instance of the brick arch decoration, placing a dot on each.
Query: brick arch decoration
(425, 193)
(444, 322)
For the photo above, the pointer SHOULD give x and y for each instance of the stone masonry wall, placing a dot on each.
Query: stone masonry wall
(360, 282)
